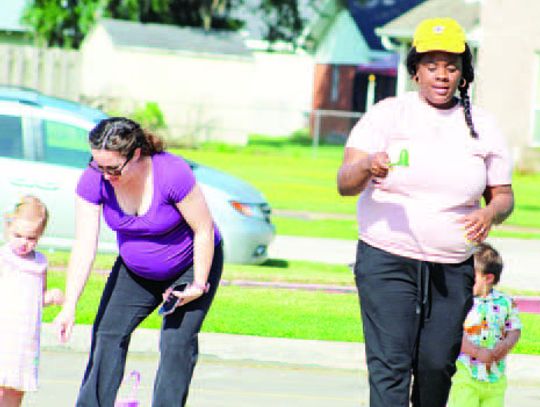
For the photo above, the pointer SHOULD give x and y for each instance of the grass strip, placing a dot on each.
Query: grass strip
(348, 229)
(273, 312)
(273, 270)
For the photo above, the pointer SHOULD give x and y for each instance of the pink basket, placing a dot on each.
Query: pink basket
(131, 400)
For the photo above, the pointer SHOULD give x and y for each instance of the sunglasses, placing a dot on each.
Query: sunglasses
(113, 171)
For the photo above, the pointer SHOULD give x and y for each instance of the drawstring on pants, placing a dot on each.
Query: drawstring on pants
(423, 294)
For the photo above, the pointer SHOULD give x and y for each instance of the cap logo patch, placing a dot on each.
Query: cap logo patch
(438, 29)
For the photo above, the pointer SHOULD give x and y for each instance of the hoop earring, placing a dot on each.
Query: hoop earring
(462, 83)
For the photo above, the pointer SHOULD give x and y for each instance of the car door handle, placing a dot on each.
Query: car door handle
(47, 186)
(22, 182)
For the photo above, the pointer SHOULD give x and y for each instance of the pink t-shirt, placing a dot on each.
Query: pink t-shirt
(415, 211)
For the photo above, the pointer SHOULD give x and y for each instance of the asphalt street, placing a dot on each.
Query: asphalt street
(521, 257)
(216, 383)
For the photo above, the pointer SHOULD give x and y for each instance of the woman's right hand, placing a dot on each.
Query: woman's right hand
(64, 322)
(379, 164)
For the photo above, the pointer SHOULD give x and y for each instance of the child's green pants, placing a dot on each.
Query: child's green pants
(468, 392)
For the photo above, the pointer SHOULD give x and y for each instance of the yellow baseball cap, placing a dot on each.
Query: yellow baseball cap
(439, 34)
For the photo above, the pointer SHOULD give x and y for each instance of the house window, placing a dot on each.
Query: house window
(334, 93)
(536, 104)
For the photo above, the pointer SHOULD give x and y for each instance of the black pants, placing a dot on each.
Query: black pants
(127, 300)
(412, 314)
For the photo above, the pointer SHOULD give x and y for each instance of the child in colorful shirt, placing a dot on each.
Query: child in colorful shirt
(491, 330)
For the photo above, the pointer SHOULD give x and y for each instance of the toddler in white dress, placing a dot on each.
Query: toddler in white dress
(23, 278)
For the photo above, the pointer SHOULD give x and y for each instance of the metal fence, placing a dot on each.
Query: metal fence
(332, 126)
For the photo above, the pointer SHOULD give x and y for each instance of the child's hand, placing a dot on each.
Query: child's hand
(484, 355)
(54, 296)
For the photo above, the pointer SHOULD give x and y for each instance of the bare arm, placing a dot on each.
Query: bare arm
(357, 169)
(484, 355)
(53, 296)
(87, 219)
(505, 346)
(499, 205)
(500, 201)
(196, 213)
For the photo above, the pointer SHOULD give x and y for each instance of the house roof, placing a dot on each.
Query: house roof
(10, 17)
(371, 14)
(466, 12)
(343, 43)
(170, 37)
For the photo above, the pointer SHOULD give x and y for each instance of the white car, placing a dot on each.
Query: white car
(44, 148)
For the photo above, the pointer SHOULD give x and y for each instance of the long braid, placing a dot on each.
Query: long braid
(466, 103)
(468, 77)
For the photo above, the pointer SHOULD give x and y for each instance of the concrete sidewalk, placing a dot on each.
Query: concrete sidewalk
(521, 257)
(522, 369)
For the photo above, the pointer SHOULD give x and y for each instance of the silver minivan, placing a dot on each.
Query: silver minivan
(43, 150)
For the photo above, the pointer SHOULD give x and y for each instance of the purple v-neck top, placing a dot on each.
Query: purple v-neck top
(159, 243)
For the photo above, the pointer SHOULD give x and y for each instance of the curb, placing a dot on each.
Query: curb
(229, 347)
(522, 370)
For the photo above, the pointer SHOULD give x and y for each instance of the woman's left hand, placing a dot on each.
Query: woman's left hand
(190, 293)
(477, 224)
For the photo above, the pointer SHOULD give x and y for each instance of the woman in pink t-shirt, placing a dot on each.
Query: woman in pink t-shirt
(421, 163)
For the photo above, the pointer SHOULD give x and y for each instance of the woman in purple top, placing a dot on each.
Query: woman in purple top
(166, 237)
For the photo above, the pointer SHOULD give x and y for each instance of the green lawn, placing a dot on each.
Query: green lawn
(274, 313)
(348, 229)
(527, 211)
(293, 179)
(329, 228)
(288, 175)
(273, 270)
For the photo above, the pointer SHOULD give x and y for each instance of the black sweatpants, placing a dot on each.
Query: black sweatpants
(412, 314)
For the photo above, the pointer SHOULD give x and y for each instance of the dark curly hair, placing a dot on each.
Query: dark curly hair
(487, 260)
(413, 58)
(124, 136)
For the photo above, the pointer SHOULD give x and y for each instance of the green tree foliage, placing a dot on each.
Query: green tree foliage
(283, 20)
(150, 116)
(64, 23)
(191, 13)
